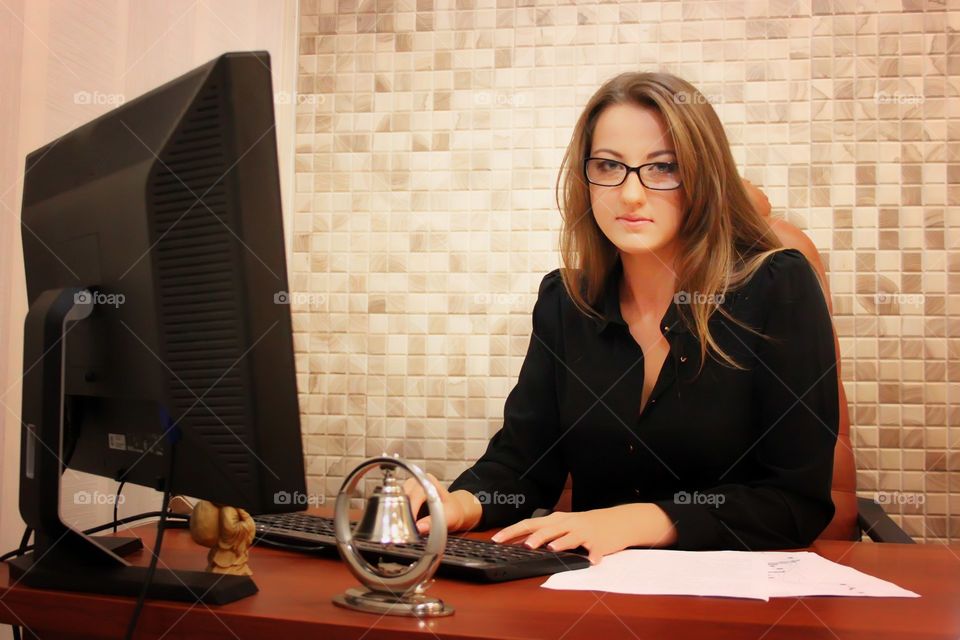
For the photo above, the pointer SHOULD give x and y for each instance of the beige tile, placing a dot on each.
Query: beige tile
(428, 144)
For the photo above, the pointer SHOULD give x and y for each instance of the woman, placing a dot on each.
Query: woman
(682, 366)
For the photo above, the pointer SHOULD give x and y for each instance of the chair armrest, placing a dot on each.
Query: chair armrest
(875, 522)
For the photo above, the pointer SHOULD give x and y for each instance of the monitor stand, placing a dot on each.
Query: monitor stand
(64, 558)
(119, 545)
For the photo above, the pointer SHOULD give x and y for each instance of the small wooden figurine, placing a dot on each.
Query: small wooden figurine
(228, 532)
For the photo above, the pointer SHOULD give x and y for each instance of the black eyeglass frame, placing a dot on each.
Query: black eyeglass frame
(626, 175)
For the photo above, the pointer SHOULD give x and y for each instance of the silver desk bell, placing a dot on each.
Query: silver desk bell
(390, 589)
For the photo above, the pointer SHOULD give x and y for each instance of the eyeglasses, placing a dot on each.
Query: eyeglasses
(659, 176)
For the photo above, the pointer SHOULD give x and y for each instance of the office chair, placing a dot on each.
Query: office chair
(854, 516)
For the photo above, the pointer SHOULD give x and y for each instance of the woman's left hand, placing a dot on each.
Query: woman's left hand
(599, 531)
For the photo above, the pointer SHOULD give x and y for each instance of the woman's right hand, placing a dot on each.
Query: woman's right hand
(461, 508)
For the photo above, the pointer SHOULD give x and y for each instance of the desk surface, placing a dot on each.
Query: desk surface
(296, 591)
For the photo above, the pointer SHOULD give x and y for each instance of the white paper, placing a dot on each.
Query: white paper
(807, 574)
(732, 574)
(664, 572)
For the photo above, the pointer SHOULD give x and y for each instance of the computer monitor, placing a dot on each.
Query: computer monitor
(156, 271)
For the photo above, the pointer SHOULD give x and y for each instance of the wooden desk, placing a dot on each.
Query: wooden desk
(295, 592)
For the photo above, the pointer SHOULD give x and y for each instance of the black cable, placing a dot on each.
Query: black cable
(155, 556)
(176, 517)
(25, 539)
(16, 553)
(116, 504)
(139, 516)
(20, 632)
(320, 548)
(25, 548)
(22, 548)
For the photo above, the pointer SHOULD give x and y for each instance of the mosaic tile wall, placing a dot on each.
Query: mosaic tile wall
(429, 135)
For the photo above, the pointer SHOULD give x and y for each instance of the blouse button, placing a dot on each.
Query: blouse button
(636, 492)
(683, 358)
(631, 448)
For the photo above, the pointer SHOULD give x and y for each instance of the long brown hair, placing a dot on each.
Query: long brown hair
(723, 239)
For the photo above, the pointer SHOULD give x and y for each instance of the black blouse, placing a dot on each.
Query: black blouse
(738, 459)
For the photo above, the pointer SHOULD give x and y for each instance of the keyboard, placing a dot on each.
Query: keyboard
(463, 559)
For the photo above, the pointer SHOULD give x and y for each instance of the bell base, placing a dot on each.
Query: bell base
(415, 605)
